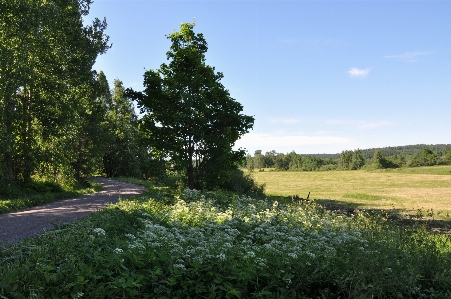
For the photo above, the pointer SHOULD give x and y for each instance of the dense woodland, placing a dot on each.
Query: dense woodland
(59, 119)
(375, 158)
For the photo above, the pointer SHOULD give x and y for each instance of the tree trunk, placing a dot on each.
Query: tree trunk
(78, 163)
(9, 105)
(27, 139)
(190, 168)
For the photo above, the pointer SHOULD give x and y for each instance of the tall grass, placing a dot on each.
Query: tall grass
(220, 245)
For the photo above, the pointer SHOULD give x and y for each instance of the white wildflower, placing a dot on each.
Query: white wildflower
(99, 231)
(221, 256)
(131, 236)
(293, 255)
(179, 266)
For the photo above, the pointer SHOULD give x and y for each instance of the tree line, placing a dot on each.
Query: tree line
(60, 121)
(403, 156)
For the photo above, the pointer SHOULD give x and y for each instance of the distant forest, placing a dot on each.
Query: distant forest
(373, 158)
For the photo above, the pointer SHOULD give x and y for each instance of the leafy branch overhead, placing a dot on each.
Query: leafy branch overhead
(189, 115)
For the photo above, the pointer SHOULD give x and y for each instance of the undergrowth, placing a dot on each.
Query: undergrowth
(195, 244)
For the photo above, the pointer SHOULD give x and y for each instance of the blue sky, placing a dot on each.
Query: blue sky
(318, 76)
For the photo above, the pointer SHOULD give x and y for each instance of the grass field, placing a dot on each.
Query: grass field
(422, 190)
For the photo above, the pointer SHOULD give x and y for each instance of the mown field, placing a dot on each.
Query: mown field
(421, 190)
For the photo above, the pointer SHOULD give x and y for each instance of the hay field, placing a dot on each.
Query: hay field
(409, 190)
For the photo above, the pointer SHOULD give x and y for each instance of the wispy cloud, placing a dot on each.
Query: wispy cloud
(271, 140)
(360, 124)
(288, 120)
(356, 72)
(409, 56)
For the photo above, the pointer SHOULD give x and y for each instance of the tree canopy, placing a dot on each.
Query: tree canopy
(189, 115)
(46, 78)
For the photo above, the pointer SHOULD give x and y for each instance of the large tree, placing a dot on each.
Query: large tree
(190, 116)
(45, 53)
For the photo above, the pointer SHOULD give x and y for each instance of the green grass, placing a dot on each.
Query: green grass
(439, 170)
(405, 190)
(40, 192)
(362, 196)
(221, 245)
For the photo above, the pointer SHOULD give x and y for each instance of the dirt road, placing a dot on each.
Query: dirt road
(31, 222)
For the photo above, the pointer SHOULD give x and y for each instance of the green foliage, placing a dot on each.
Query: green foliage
(351, 160)
(447, 156)
(293, 161)
(425, 158)
(380, 162)
(243, 184)
(393, 157)
(46, 58)
(44, 187)
(270, 158)
(190, 116)
(220, 245)
(345, 160)
(259, 160)
(357, 160)
(281, 162)
(249, 163)
(123, 156)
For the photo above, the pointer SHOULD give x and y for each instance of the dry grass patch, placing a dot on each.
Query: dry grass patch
(407, 190)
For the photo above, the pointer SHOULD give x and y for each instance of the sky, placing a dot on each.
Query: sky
(318, 76)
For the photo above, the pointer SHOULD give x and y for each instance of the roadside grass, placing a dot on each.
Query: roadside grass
(193, 244)
(410, 191)
(40, 192)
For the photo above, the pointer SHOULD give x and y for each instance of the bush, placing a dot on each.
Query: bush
(328, 167)
(242, 183)
(43, 187)
(425, 158)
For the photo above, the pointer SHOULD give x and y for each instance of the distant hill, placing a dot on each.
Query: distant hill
(406, 150)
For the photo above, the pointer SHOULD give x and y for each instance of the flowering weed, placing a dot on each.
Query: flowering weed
(221, 245)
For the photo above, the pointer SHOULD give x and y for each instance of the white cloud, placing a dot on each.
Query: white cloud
(409, 56)
(369, 125)
(272, 141)
(360, 124)
(355, 72)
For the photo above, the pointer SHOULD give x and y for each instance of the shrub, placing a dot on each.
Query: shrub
(425, 158)
(244, 184)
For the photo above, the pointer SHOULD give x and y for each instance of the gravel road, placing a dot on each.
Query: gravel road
(33, 221)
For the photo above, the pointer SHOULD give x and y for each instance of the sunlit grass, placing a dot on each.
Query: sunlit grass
(407, 189)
